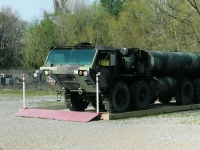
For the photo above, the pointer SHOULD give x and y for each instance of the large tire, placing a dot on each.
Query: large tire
(141, 96)
(74, 102)
(165, 99)
(184, 93)
(94, 103)
(196, 97)
(108, 103)
(119, 99)
(153, 100)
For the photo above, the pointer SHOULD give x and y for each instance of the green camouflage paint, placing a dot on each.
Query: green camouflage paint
(172, 63)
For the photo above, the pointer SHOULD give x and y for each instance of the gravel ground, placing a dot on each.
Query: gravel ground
(175, 131)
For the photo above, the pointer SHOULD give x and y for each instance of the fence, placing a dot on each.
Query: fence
(12, 79)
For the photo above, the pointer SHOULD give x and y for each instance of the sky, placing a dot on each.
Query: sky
(30, 10)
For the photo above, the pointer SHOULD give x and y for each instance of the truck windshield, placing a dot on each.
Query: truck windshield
(71, 56)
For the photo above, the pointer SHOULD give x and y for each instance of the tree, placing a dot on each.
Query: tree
(11, 38)
(86, 24)
(154, 24)
(133, 26)
(39, 37)
(183, 22)
(114, 7)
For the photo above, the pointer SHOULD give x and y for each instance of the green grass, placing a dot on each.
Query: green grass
(27, 92)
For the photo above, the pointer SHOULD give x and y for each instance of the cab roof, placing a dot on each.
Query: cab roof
(84, 45)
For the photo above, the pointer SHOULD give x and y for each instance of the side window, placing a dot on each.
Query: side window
(107, 59)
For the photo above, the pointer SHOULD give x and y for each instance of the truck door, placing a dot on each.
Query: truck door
(107, 68)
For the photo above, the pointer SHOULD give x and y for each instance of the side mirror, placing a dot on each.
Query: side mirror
(124, 51)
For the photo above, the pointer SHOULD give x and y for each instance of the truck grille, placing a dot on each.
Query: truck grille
(69, 81)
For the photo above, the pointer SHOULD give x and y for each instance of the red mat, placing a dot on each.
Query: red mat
(57, 115)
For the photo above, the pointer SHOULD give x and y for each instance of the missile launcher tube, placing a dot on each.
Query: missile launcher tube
(171, 63)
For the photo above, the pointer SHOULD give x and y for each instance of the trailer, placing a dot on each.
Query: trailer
(153, 110)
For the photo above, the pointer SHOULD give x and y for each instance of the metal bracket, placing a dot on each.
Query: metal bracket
(59, 95)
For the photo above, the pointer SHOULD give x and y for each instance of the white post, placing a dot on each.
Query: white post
(97, 91)
(23, 82)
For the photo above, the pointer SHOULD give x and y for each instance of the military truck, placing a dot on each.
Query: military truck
(130, 78)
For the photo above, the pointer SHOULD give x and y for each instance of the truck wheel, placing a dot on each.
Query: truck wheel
(74, 102)
(141, 96)
(184, 93)
(120, 97)
(108, 104)
(153, 100)
(165, 99)
(94, 103)
(196, 97)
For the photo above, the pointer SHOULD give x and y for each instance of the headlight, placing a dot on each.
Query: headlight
(46, 72)
(85, 73)
(80, 73)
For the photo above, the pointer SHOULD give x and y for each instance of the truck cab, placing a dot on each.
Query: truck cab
(73, 69)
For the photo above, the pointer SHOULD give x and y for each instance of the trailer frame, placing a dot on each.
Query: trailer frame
(153, 110)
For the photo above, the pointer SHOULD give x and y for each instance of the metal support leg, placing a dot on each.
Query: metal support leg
(59, 95)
